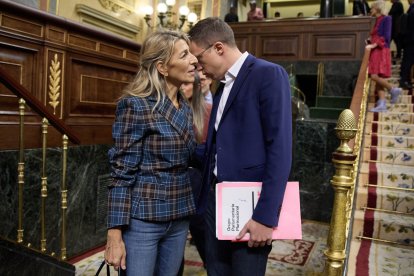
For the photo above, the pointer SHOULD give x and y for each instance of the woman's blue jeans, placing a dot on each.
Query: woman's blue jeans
(155, 248)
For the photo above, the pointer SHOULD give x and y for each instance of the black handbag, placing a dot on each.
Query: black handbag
(108, 270)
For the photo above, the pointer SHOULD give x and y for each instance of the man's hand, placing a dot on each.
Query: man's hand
(260, 235)
(115, 253)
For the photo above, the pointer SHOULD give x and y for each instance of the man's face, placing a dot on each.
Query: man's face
(209, 62)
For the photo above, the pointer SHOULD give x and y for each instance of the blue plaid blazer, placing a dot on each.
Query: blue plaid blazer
(149, 161)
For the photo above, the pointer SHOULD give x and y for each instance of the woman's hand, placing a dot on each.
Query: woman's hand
(115, 253)
(371, 46)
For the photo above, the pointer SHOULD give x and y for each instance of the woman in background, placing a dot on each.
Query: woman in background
(150, 198)
(201, 115)
(379, 66)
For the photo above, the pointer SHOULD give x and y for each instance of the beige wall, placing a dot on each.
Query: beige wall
(287, 8)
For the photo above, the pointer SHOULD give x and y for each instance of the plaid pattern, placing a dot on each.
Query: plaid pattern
(149, 161)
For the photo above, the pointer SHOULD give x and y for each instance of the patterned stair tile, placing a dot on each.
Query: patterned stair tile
(387, 128)
(401, 107)
(404, 118)
(388, 141)
(390, 156)
(380, 259)
(385, 226)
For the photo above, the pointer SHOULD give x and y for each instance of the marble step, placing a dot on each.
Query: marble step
(404, 157)
(333, 101)
(388, 141)
(390, 128)
(385, 226)
(397, 117)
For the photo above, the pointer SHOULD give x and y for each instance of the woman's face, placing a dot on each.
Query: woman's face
(187, 89)
(182, 65)
(375, 11)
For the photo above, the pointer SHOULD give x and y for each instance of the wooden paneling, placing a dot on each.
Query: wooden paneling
(344, 46)
(285, 46)
(77, 72)
(57, 35)
(20, 25)
(305, 39)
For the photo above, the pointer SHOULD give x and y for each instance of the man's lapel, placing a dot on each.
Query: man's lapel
(213, 114)
(238, 84)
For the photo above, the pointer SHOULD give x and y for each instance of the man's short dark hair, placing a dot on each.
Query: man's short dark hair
(211, 30)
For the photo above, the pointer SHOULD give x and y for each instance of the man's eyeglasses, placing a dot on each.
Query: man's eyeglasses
(200, 55)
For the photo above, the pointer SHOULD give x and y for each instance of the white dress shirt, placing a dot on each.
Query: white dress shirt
(228, 81)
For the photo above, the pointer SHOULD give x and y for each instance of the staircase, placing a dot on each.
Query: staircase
(329, 107)
(383, 225)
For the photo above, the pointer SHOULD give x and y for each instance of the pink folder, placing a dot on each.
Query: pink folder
(235, 202)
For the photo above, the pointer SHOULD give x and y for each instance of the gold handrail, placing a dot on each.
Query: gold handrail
(301, 94)
(64, 193)
(346, 162)
(43, 192)
(321, 74)
(342, 183)
(20, 171)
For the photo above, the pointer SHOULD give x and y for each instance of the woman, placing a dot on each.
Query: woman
(201, 109)
(380, 58)
(201, 115)
(150, 198)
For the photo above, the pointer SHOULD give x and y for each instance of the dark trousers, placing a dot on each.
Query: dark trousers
(398, 44)
(406, 63)
(225, 258)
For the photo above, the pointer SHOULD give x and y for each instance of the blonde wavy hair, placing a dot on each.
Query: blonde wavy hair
(198, 106)
(380, 6)
(158, 46)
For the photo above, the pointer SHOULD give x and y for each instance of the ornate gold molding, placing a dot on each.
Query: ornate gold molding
(116, 6)
(54, 82)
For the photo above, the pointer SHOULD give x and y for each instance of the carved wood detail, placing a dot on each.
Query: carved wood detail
(77, 72)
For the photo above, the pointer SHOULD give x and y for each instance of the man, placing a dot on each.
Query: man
(360, 7)
(408, 48)
(249, 139)
(396, 11)
(231, 16)
(255, 13)
(205, 88)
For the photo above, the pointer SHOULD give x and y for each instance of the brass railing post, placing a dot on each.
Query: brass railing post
(320, 80)
(64, 202)
(342, 183)
(20, 171)
(43, 191)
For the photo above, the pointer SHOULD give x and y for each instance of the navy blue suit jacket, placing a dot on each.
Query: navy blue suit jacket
(253, 141)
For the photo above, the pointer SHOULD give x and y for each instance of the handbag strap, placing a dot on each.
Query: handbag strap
(108, 273)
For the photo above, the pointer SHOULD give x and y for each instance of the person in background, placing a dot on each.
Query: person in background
(408, 48)
(231, 16)
(277, 14)
(249, 139)
(201, 115)
(255, 13)
(150, 198)
(205, 88)
(396, 11)
(300, 14)
(379, 66)
(360, 7)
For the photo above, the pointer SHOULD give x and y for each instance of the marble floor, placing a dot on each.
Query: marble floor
(287, 258)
